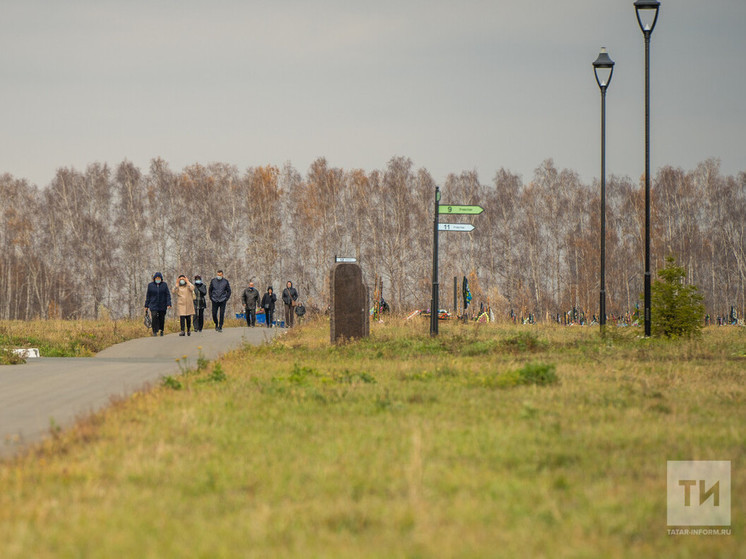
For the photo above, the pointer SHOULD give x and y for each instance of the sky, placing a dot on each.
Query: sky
(467, 85)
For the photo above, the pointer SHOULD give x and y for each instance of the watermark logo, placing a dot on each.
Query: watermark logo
(698, 493)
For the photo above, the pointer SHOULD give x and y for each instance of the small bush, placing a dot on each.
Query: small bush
(539, 374)
(299, 375)
(10, 357)
(479, 348)
(676, 308)
(217, 374)
(172, 383)
(202, 361)
(346, 377)
(523, 341)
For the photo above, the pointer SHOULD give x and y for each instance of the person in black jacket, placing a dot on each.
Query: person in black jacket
(200, 302)
(289, 297)
(220, 292)
(158, 300)
(250, 298)
(268, 304)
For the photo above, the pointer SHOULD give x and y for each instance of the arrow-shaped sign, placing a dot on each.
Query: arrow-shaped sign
(460, 210)
(466, 227)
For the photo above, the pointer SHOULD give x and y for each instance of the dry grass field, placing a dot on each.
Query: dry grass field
(488, 441)
(69, 338)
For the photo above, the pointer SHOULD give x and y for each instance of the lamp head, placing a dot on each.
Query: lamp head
(647, 14)
(603, 67)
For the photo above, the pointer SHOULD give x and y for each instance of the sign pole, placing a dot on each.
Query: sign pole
(434, 305)
(455, 296)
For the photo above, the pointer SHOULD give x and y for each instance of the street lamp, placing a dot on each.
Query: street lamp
(434, 303)
(647, 16)
(603, 68)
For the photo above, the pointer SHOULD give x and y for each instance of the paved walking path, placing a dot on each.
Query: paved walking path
(57, 390)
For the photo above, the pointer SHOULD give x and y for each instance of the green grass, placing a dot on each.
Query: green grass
(78, 338)
(486, 441)
(63, 338)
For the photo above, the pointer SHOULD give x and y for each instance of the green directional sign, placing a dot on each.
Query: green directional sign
(460, 210)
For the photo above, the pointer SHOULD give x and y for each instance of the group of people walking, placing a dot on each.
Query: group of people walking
(250, 300)
(191, 301)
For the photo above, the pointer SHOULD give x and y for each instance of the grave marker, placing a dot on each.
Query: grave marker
(349, 302)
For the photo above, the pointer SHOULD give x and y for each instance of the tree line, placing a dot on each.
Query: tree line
(89, 242)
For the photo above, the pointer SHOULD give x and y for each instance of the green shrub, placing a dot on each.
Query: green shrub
(300, 375)
(9, 357)
(539, 374)
(347, 377)
(172, 383)
(481, 347)
(523, 341)
(217, 374)
(676, 308)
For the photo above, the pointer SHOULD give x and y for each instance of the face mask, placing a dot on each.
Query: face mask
(220, 277)
(198, 282)
(157, 280)
(182, 282)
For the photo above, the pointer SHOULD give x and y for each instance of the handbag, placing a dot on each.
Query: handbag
(147, 321)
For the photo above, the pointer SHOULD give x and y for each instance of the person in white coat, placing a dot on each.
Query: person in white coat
(184, 295)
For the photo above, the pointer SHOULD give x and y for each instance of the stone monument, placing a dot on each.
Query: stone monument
(349, 302)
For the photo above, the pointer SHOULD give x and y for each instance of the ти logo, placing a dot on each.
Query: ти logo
(698, 493)
(703, 494)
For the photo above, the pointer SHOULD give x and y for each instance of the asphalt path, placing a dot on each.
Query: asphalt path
(53, 392)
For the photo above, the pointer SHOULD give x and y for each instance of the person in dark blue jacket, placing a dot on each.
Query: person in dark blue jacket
(219, 292)
(158, 300)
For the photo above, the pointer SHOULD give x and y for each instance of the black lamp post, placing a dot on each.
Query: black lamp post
(647, 16)
(603, 68)
(434, 303)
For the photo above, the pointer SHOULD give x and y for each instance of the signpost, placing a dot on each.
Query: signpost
(347, 259)
(434, 300)
(459, 227)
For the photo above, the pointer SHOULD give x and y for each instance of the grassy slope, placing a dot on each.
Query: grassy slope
(77, 338)
(68, 338)
(396, 446)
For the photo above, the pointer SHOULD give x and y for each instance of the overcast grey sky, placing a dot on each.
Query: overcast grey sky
(454, 85)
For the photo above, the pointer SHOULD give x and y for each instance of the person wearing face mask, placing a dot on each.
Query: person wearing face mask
(220, 292)
(184, 293)
(200, 297)
(158, 301)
